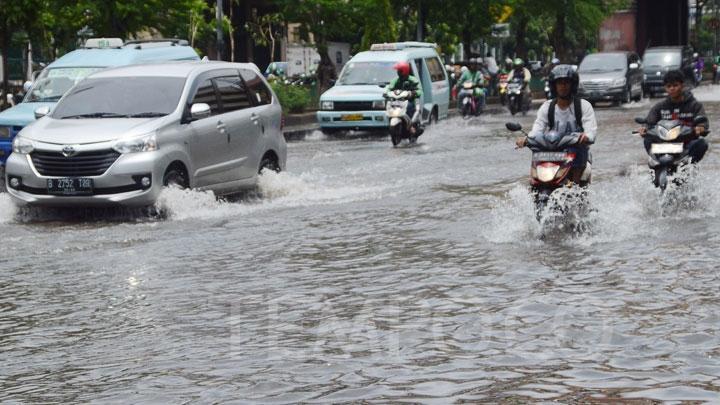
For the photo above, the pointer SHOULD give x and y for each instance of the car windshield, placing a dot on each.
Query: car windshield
(122, 97)
(356, 73)
(599, 63)
(52, 84)
(662, 59)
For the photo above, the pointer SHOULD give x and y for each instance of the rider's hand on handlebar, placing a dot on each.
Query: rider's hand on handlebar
(700, 130)
(642, 131)
(583, 139)
(520, 142)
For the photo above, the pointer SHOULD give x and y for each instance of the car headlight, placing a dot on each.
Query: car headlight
(619, 82)
(146, 143)
(378, 105)
(5, 132)
(22, 145)
(327, 105)
(645, 77)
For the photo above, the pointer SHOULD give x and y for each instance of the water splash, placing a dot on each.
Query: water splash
(7, 209)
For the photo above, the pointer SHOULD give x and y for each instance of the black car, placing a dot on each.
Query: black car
(659, 60)
(611, 76)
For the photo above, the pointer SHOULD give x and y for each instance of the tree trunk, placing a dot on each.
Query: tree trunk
(520, 34)
(326, 69)
(558, 38)
(5, 39)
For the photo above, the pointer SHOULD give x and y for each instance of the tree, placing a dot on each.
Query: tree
(17, 17)
(266, 30)
(379, 23)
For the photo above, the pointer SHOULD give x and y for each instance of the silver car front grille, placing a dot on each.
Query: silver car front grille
(55, 164)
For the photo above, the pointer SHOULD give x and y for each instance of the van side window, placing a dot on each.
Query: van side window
(206, 94)
(419, 66)
(436, 69)
(256, 87)
(233, 95)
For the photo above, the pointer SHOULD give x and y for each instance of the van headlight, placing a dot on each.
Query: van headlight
(327, 105)
(619, 82)
(22, 145)
(146, 143)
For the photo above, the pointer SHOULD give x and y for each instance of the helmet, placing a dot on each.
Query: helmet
(555, 61)
(463, 69)
(403, 68)
(564, 72)
(518, 62)
(508, 61)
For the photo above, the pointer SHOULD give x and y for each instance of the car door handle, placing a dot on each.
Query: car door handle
(221, 126)
(254, 118)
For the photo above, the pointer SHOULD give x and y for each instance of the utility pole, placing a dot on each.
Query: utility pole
(219, 29)
(420, 21)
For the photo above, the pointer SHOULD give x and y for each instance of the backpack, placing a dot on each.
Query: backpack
(578, 113)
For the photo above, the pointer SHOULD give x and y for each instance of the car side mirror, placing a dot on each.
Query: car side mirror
(641, 120)
(634, 66)
(332, 82)
(41, 112)
(199, 111)
(513, 126)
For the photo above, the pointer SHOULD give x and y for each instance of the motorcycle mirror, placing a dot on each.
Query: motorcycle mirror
(641, 120)
(513, 126)
(700, 120)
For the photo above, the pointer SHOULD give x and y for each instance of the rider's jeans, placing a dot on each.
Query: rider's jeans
(696, 148)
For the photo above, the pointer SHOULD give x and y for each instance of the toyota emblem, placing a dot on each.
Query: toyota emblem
(68, 151)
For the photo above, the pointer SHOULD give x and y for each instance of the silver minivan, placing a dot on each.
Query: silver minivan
(121, 135)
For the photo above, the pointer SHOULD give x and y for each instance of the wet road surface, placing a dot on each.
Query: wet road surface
(367, 273)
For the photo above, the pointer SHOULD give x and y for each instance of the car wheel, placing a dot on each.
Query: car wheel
(434, 117)
(175, 177)
(269, 163)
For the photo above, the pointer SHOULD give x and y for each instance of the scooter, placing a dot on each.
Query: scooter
(669, 149)
(396, 108)
(468, 100)
(502, 88)
(516, 98)
(552, 161)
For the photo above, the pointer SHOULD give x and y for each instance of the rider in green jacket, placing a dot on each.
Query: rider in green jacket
(406, 81)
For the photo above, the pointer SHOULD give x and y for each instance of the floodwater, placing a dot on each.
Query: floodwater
(372, 274)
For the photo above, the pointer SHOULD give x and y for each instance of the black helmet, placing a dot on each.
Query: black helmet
(564, 72)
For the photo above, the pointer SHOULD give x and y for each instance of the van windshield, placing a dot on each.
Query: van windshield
(122, 97)
(662, 59)
(358, 73)
(603, 62)
(52, 84)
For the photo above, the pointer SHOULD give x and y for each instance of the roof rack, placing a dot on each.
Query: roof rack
(396, 46)
(173, 41)
(95, 43)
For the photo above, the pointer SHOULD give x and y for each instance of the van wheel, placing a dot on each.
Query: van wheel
(433, 117)
(175, 176)
(269, 163)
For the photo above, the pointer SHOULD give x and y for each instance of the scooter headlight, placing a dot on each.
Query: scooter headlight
(546, 172)
(672, 134)
(22, 145)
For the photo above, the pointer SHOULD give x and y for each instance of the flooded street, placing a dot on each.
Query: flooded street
(379, 274)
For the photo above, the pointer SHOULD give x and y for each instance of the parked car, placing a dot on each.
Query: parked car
(611, 76)
(356, 102)
(58, 77)
(659, 60)
(122, 134)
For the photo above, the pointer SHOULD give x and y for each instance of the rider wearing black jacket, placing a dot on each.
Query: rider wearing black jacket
(679, 105)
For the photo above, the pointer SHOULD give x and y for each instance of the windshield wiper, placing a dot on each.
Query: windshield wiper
(147, 115)
(96, 115)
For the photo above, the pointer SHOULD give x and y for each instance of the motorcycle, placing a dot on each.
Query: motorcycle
(468, 100)
(396, 108)
(669, 148)
(552, 160)
(502, 88)
(516, 99)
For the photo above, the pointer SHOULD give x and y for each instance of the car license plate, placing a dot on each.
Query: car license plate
(663, 148)
(549, 156)
(70, 186)
(351, 117)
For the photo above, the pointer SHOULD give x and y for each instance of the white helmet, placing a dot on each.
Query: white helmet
(463, 69)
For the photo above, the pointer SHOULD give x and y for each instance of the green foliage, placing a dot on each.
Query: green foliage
(379, 24)
(293, 99)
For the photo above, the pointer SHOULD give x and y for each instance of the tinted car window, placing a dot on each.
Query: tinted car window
(233, 95)
(206, 94)
(662, 59)
(600, 63)
(436, 69)
(257, 88)
(122, 97)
